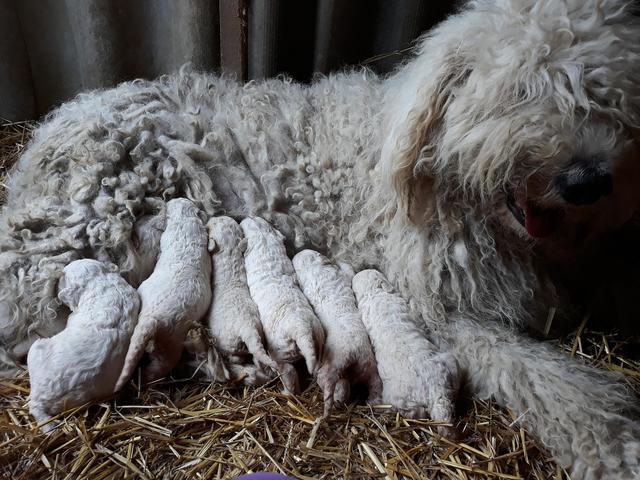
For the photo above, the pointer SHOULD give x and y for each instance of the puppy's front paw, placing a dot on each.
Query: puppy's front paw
(434, 393)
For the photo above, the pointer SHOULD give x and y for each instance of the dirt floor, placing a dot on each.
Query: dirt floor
(188, 428)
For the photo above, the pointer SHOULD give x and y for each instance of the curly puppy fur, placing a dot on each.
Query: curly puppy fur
(175, 297)
(406, 174)
(291, 328)
(417, 379)
(347, 356)
(83, 362)
(234, 320)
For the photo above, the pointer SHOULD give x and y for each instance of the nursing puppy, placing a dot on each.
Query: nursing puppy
(408, 362)
(347, 357)
(291, 328)
(174, 298)
(83, 362)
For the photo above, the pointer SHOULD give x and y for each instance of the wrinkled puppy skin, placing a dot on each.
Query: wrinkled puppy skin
(82, 363)
(417, 379)
(347, 356)
(207, 361)
(290, 326)
(175, 297)
(234, 320)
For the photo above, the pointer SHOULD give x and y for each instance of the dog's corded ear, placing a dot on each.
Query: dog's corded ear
(414, 119)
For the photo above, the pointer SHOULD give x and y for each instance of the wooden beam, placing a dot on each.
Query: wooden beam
(233, 38)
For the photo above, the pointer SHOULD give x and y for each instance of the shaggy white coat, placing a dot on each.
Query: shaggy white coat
(417, 379)
(82, 363)
(233, 319)
(291, 328)
(405, 174)
(174, 298)
(347, 357)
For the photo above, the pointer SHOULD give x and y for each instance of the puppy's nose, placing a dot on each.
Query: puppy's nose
(584, 186)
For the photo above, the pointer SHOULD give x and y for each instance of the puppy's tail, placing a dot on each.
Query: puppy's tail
(584, 415)
(142, 335)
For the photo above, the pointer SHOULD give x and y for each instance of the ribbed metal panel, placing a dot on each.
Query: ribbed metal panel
(55, 48)
(263, 37)
(398, 24)
(344, 33)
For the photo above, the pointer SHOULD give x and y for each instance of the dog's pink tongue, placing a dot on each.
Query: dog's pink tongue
(538, 222)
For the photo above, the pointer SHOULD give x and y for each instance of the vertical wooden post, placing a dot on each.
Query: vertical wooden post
(233, 38)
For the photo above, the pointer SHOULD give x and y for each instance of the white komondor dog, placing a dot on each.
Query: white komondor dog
(509, 140)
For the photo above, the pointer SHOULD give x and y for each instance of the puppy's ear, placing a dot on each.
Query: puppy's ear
(212, 245)
(204, 218)
(68, 295)
(416, 106)
(243, 245)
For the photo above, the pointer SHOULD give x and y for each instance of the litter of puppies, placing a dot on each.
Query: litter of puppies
(265, 313)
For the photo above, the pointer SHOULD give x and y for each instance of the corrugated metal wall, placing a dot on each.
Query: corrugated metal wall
(52, 49)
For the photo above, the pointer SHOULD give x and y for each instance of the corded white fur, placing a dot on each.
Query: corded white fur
(83, 362)
(347, 357)
(405, 174)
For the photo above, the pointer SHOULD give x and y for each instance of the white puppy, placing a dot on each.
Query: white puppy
(347, 357)
(234, 320)
(176, 295)
(408, 363)
(83, 362)
(291, 329)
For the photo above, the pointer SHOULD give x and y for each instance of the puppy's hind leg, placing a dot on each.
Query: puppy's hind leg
(584, 415)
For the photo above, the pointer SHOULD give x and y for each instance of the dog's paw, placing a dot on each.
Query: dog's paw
(431, 394)
(336, 375)
(619, 460)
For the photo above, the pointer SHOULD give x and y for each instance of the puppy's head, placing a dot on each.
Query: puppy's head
(525, 110)
(370, 282)
(258, 227)
(308, 258)
(77, 275)
(182, 207)
(225, 234)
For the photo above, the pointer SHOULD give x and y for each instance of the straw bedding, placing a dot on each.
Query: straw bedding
(189, 428)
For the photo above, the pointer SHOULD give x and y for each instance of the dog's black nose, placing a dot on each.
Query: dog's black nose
(583, 186)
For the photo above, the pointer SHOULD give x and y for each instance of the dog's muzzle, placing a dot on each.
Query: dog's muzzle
(539, 222)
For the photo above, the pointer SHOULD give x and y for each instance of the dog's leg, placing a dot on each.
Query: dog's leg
(585, 416)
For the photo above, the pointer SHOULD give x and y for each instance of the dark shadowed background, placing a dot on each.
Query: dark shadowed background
(52, 49)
